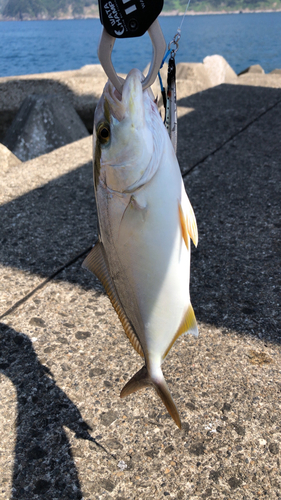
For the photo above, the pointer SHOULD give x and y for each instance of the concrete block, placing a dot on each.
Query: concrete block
(193, 71)
(276, 72)
(82, 87)
(255, 69)
(191, 78)
(218, 70)
(43, 123)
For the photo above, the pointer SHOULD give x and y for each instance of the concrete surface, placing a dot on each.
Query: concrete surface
(7, 159)
(31, 233)
(65, 433)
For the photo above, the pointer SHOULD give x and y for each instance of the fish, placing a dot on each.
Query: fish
(146, 221)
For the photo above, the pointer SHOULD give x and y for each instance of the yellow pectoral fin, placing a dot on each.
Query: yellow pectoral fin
(188, 325)
(188, 224)
(184, 231)
(96, 263)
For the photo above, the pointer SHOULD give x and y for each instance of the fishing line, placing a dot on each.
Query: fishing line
(180, 26)
(47, 280)
(176, 37)
(169, 97)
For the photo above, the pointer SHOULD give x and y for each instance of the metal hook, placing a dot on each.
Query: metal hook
(106, 46)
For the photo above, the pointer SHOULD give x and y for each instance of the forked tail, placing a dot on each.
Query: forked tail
(142, 379)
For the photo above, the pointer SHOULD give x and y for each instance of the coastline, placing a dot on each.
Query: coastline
(173, 13)
(219, 12)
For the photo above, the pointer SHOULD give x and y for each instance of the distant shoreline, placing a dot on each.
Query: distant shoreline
(173, 13)
(218, 12)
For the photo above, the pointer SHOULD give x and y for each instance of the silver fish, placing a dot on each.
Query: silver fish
(145, 223)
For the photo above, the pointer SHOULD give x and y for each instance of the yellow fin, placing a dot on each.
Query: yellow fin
(142, 379)
(188, 224)
(188, 325)
(96, 263)
(183, 226)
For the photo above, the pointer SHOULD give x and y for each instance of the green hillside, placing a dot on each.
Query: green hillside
(32, 9)
(39, 8)
(223, 5)
(2, 4)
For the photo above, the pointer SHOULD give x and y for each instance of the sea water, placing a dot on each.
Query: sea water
(28, 47)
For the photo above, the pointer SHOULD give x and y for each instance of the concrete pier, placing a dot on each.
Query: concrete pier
(64, 431)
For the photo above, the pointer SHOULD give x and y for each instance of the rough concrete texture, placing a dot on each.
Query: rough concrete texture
(65, 433)
(7, 159)
(43, 123)
(29, 230)
(206, 126)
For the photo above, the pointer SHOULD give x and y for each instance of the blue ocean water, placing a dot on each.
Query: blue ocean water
(28, 47)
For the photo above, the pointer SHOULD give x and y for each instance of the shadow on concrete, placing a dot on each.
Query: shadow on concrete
(236, 193)
(42, 448)
(219, 112)
(236, 198)
(43, 229)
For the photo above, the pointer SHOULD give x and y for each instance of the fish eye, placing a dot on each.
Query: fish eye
(103, 133)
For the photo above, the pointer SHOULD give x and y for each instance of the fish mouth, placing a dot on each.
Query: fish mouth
(131, 103)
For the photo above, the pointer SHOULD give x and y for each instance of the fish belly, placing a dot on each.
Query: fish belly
(148, 258)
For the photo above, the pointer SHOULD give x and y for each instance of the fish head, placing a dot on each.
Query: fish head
(125, 135)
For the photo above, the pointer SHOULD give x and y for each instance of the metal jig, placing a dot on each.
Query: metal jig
(171, 122)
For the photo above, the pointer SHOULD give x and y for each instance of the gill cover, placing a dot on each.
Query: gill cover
(128, 142)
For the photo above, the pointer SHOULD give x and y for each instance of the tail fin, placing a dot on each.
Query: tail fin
(142, 379)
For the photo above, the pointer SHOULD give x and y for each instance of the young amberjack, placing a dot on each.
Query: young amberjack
(145, 225)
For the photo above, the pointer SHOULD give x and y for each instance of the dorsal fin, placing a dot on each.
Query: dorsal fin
(188, 224)
(188, 325)
(96, 263)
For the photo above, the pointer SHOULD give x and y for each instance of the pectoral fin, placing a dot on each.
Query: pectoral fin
(142, 379)
(188, 325)
(188, 224)
(96, 263)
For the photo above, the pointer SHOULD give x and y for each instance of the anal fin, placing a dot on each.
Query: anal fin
(96, 263)
(188, 325)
